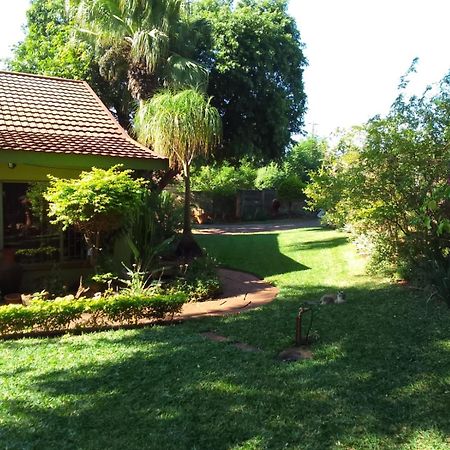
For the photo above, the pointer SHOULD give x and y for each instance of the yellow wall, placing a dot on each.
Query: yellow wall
(26, 173)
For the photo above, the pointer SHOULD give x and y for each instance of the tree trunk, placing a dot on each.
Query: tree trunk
(187, 229)
(187, 247)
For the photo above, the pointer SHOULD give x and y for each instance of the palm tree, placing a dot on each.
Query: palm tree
(180, 125)
(142, 35)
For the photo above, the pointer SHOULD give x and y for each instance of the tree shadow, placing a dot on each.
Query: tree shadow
(378, 379)
(318, 245)
(263, 248)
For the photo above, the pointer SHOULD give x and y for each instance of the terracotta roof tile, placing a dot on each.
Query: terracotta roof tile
(56, 115)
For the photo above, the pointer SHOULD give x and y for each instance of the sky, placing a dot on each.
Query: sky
(357, 51)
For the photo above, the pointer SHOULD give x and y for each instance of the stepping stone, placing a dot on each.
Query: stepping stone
(239, 345)
(295, 354)
(214, 337)
(246, 347)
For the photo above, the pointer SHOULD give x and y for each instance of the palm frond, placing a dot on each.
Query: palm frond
(179, 125)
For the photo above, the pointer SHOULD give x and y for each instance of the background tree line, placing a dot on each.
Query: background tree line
(389, 181)
(248, 57)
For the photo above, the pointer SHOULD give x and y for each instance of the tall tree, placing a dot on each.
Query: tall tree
(148, 39)
(50, 49)
(256, 67)
(47, 48)
(181, 126)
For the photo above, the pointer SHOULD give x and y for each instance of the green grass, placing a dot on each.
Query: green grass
(380, 377)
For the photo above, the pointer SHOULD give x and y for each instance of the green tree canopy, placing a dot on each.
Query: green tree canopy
(256, 67)
(305, 156)
(149, 41)
(48, 48)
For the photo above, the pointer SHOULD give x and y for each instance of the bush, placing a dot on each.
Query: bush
(224, 180)
(61, 313)
(390, 181)
(95, 202)
(198, 279)
(290, 189)
(153, 227)
(269, 177)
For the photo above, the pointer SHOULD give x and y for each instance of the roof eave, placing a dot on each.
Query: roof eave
(81, 162)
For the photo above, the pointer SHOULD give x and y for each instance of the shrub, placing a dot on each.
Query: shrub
(61, 313)
(98, 201)
(269, 177)
(153, 227)
(305, 156)
(198, 279)
(390, 180)
(224, 180)
(290, 189)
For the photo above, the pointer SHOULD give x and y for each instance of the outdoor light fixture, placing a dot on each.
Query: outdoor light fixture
(11, 165)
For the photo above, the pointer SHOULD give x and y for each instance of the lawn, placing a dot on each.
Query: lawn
(380, 376)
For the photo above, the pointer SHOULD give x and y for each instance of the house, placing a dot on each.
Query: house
(59, 127)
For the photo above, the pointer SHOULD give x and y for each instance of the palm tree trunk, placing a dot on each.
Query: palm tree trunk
(187, 228)
(187, 247)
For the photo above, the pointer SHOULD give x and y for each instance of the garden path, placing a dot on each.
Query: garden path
(241, 291)
(256, 227)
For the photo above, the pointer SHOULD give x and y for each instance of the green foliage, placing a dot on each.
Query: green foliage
(290, 189)
(137, 281)
(48, 48)
(148, 44)
(224, 179)
(97, 200)
(390, 181)
(269, 177)
(256, 67)
(305, 156)
(38, 204)
(198, 280)
(153, 226)
(179, 125)
(61, 313)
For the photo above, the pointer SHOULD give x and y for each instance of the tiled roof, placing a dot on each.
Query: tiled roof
(56, 115)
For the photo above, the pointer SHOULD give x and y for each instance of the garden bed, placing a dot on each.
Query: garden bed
(67, 313)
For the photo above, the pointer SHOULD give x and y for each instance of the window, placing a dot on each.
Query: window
(27, 229)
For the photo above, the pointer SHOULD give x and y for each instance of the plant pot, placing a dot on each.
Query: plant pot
(13, 299)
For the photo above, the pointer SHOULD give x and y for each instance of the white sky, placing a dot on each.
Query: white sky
(357, 51)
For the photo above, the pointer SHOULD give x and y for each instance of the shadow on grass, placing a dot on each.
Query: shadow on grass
(263, 248)
(377, 380)
(318, 245)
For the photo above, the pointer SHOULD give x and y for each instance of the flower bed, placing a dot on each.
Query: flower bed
(66, 313)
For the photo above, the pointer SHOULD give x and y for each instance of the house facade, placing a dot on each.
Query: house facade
(59, 127)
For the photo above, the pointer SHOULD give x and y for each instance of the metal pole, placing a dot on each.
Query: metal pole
(298, 328)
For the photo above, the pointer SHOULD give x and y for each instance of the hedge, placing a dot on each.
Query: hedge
(60, 314)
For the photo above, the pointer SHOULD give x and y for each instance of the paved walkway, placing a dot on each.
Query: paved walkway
(256, 227)
(241, 291)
